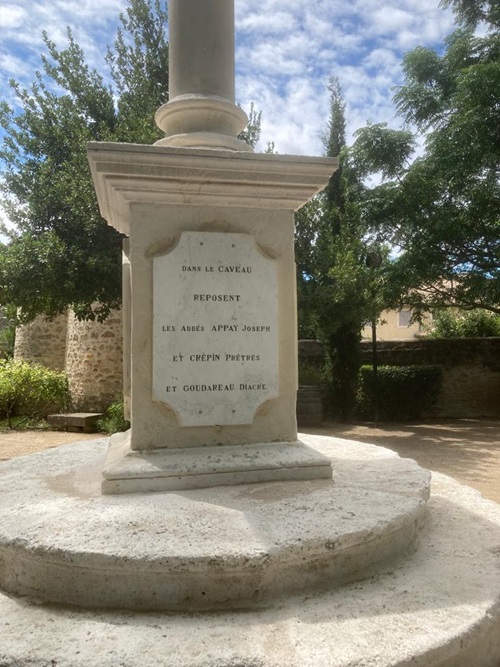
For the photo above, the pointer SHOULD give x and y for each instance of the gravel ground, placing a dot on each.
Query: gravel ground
(467, 450)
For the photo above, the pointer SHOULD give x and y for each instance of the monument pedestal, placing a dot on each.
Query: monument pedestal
(129, 471)
(254, 574)
(226, 547)
(210, 304)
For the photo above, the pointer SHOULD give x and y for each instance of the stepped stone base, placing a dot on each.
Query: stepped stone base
(140, 471)
(226, 546)
(436, 605)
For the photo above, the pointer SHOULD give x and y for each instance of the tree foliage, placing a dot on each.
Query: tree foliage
(337, 292)
(470, 13)
(442, 210)
(61, 252)
(473, 324)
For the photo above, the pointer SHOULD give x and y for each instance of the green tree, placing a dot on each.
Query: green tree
(471, 324)
(472, 12)
(62, 252)
(442, 210)
(337, 292)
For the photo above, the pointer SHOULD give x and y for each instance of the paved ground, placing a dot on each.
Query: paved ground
(467, 450)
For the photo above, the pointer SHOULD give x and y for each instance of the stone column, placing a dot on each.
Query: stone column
(201, 48)
(43, 341)
(201, 112)
(94, 362)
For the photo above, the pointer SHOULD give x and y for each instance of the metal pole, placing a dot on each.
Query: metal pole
(373, 261)
(375, 369)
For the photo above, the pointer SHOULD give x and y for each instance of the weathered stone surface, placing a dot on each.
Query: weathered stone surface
(127, 471)
(85, 422)
(201, 111)
(230, 546)
(438, 607)
(94, 360)
(89, 352)
(154, 194)
(43, 342)
(215, 329)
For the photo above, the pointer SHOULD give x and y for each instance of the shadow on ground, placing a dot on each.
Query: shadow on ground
(467, 450)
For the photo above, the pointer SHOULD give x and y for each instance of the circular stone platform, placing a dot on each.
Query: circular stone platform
(62, 541)
(440, 607)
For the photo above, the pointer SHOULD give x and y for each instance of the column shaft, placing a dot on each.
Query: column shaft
(202, 48)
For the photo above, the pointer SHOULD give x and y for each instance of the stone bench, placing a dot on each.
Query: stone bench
(77, 422)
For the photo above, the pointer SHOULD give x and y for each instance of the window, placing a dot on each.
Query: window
(404, 317)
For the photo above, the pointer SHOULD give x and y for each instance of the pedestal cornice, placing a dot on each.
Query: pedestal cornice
(132, 173)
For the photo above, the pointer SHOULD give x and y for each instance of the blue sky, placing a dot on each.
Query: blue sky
(286, 50)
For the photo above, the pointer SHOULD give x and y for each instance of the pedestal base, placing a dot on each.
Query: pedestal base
(222, 547)
(439, 606)
(133, 471)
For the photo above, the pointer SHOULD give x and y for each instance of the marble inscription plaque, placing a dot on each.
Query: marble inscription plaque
(215, 329)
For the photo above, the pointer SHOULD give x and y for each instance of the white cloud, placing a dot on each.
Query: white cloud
(12, 16)
(13, 66)
(387, 20)
(286, 50)
(361, 42)
(278, 23)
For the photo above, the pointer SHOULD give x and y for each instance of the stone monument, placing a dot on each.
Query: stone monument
(296, 570)
(209, 285)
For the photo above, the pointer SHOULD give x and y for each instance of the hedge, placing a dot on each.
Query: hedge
(404, 392)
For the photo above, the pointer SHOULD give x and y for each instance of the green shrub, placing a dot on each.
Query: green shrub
(113, 420)
(311, 373)
(30, 389)
(474, 324)
(445, 325)
(404, 392)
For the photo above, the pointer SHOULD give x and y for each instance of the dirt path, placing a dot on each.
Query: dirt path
(19, 443)
(467, 450)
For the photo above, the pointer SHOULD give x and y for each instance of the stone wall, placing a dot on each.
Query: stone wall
(43, 342)
(89, 352)
(94, 362)
(471, 372)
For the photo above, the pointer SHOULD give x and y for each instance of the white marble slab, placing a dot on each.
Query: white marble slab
(215, 329)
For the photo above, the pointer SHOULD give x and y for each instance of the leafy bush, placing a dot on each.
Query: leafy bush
(311, 373)
(474, 324)
(30, 389)
(8, 320)
(404, 392)
(113, 420)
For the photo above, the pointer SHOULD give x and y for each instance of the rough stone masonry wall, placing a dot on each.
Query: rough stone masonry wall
(94, 362)
(89, 352)
(43, 342)
(471, 372)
